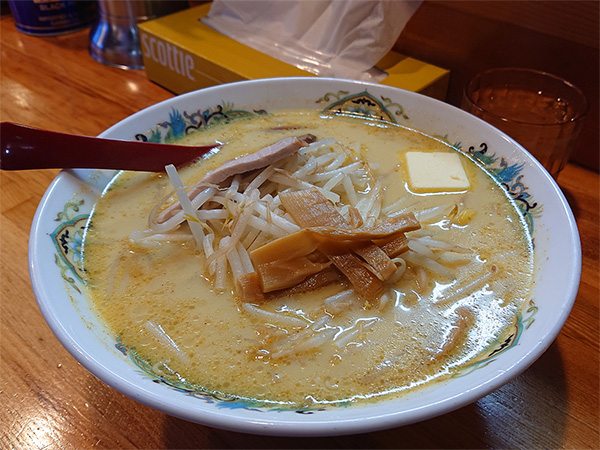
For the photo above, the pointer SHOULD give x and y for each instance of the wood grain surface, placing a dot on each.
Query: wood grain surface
(48, 400)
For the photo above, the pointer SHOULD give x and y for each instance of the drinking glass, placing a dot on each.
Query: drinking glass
(542, 112)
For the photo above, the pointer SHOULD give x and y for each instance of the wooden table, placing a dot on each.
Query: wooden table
(47, 400)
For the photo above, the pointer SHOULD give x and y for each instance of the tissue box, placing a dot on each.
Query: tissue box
(182, 54)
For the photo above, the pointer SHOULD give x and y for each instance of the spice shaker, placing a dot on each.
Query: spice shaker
(114, 38)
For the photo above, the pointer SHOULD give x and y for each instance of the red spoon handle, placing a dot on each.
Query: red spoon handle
(25, 148)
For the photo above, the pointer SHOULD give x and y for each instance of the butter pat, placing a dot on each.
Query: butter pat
(436, 172)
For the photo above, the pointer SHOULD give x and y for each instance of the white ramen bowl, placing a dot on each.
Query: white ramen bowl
(55, 243)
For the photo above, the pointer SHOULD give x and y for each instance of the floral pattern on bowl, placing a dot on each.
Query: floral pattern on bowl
(58, 288)
(68, 235)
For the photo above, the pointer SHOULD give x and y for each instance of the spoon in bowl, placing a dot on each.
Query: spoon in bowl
(24, 148)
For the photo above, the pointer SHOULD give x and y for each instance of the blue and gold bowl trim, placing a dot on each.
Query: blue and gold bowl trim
(68, 235)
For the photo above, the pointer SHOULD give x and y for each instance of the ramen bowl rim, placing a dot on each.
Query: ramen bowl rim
(374, 417)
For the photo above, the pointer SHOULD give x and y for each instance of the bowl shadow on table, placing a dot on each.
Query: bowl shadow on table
(530, 409)
(571, 199)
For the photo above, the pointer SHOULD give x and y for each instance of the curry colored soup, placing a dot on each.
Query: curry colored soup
(456, 292)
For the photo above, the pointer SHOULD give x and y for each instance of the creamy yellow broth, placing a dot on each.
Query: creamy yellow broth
(431, 327)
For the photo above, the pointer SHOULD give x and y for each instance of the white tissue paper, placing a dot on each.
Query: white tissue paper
(329, 38)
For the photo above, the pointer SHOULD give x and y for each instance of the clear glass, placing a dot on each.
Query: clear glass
(542, 112)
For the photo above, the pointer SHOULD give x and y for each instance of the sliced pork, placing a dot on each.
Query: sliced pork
(257, 160)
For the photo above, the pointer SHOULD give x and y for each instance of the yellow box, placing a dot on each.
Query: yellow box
(183, 54)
